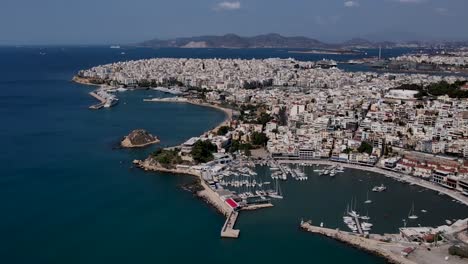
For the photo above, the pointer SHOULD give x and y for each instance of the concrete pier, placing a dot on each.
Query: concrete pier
(358, 225)
(397, 249)
(256, 206)
(101, 104)
(228, 230)
(390, 251)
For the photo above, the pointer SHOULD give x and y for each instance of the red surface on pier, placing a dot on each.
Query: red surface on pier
(232, 203)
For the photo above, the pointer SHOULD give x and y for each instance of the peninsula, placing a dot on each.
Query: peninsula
(289, 111)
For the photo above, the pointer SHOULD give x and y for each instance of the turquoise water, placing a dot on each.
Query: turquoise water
(68, 195)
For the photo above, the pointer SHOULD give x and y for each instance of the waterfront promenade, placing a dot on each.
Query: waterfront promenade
(228, 230)
(392, 174)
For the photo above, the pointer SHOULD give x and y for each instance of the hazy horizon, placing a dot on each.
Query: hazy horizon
(54, 22)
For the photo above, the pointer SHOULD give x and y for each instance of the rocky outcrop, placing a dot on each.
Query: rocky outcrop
(138, 138)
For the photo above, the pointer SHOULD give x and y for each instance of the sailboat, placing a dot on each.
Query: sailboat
(277, 193)
(367, 201)
(411, 214)
(352, 211)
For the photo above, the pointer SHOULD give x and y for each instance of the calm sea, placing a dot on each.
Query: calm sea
(68, 195)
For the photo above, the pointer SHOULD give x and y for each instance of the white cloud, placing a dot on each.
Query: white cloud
(227, 6)
(351, 4)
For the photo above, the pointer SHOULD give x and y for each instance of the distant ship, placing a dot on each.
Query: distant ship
(115, 47)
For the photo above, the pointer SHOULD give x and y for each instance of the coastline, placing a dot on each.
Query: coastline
(84, 81)
(226, 111)
(125, 143)
(213, 199)
(207, 194)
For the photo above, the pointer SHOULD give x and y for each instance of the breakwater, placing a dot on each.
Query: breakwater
(387, 250)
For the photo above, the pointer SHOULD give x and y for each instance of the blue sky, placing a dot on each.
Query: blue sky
(125, 21)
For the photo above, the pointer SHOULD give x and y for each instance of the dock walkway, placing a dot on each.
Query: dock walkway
(228, 230)
(358, 225)
(101, 100)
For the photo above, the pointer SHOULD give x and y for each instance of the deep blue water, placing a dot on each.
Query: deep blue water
(69, 196)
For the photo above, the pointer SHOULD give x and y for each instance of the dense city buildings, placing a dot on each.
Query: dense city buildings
(309, 111)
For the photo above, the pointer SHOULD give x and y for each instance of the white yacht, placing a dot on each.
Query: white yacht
(380, 188)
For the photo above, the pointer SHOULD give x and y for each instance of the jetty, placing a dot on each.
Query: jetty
(358, 225)
(101, 100)
(228, 230)
(412, 245)
(209, 195)
(390, 251)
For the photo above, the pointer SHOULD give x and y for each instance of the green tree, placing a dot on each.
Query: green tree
(347, 150)
(222, 130)
(365, 147)
(166, 157)
(202, 151)
(264, 118)
(259, 139)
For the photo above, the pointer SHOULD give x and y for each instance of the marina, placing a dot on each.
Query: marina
(248, 185)
(383, 214)
(106, 99)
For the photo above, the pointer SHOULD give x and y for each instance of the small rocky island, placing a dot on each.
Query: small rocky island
(139, 138)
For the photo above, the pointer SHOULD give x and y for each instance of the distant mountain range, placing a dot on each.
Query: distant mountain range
(271, 41)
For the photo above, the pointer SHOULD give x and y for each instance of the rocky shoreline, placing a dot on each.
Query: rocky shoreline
(83, 80)
(371, 246)
(206, 194)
